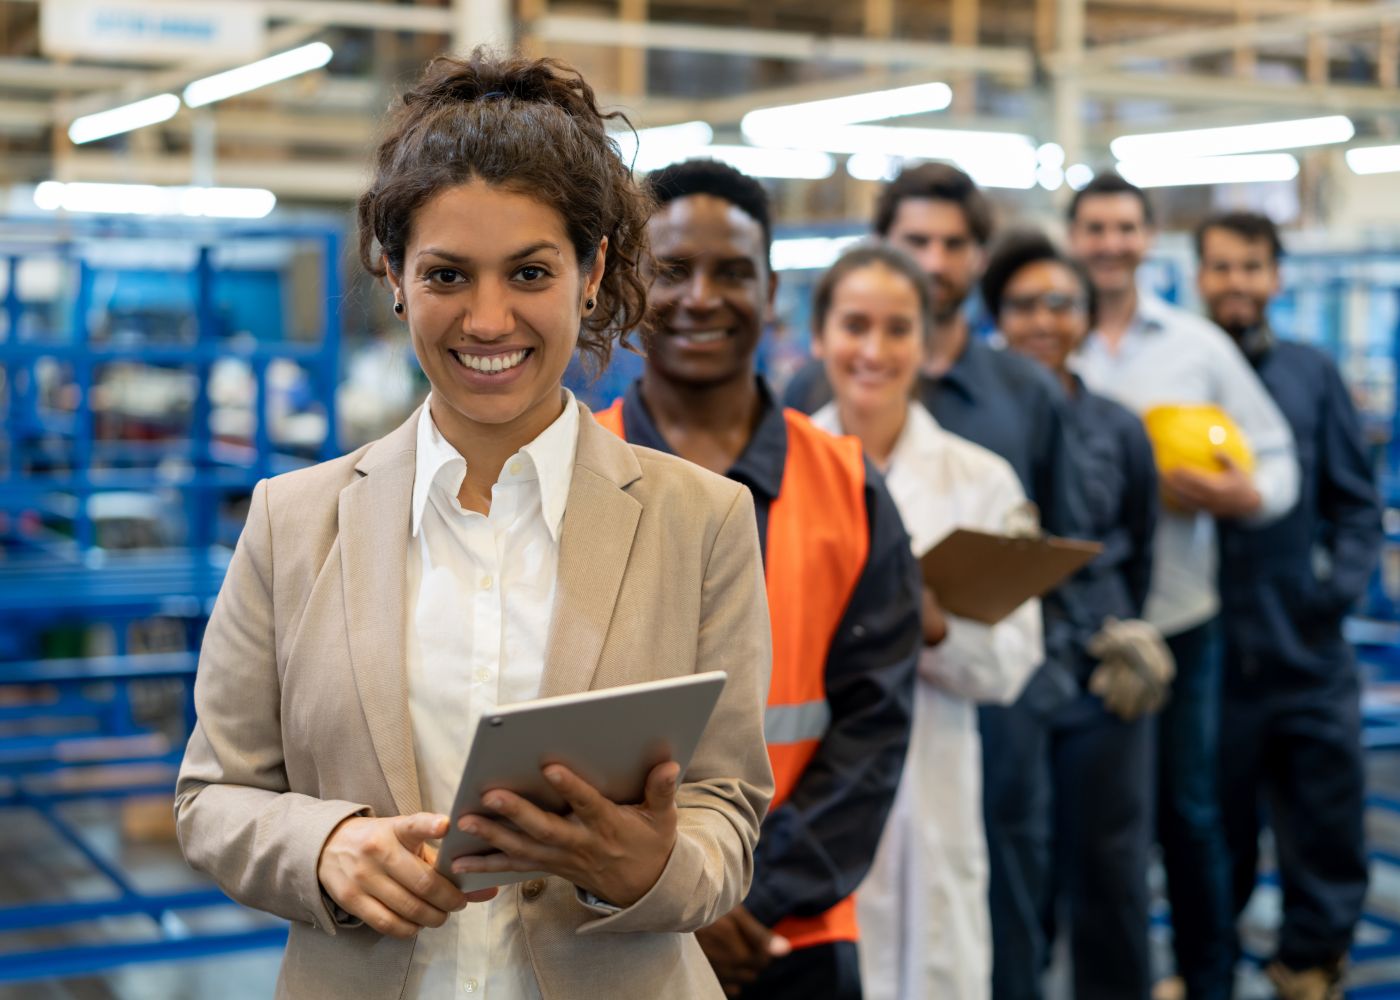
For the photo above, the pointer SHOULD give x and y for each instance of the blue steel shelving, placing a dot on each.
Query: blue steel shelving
(56, 466)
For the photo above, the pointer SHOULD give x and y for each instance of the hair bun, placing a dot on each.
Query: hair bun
(480, 78)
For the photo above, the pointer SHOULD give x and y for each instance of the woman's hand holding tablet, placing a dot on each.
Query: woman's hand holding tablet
(381, 871)
(616, 852)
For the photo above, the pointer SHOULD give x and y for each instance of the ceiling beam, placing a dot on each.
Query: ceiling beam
(1206, 89)
(1204, 41)
(1013, 63)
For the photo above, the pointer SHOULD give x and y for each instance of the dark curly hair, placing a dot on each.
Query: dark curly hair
(1021, 248)
(529, 125)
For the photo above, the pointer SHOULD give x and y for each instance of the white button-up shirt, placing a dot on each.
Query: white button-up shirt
(925, 929)
(480, 596)
(1171, 356)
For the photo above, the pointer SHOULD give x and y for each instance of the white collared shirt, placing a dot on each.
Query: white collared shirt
(925, 927)
(1168, 355)
(480, 598)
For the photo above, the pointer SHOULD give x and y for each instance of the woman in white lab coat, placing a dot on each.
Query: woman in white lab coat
(925, 932)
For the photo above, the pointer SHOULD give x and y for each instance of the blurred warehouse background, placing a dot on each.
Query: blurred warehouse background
(180, 317)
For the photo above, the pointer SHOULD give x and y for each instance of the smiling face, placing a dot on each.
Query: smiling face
(710, 291)
(1110, 235)
(1237, 278)
(493, 298)
(1044, 313)
(872, 341)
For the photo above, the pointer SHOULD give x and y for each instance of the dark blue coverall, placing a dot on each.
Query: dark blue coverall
(1102, 766)
(1291, 720)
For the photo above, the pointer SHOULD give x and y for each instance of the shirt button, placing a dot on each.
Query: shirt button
(483, 676)
(485, 583)
(470, 986)
(533, 888)
(514, 468)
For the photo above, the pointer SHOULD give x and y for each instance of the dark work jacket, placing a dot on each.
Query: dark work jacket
(1120, 492)
(1286, 587)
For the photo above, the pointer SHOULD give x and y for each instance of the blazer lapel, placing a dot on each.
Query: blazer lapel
(374, 538)
(600, 522)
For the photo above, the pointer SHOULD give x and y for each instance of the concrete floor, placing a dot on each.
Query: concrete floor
(37, 865)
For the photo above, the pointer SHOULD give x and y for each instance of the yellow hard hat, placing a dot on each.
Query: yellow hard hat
(1190, 435)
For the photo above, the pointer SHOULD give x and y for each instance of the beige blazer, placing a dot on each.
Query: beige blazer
(303, 709)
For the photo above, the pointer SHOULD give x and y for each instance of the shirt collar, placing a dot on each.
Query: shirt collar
(919, 438)
(1256, 342)
(760, 465)
(1153, 313)
(549, 459)
(966, 372)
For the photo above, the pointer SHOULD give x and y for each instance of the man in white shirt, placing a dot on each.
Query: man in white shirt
(1143, 353)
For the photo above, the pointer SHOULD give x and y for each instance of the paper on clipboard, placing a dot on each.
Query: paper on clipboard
(985, 576)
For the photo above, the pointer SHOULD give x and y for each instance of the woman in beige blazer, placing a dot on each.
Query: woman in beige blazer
(510, 233)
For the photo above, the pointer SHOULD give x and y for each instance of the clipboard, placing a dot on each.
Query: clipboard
(985, 576)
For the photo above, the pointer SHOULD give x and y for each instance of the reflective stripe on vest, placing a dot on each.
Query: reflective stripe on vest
(818, 541)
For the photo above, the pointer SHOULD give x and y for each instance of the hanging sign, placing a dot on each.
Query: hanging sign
(153, 30)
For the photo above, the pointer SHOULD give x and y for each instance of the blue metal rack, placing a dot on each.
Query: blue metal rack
(54, 573)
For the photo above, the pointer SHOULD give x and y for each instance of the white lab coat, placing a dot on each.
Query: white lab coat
(925, 929)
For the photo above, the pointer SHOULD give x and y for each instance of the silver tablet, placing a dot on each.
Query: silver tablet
(611, 738)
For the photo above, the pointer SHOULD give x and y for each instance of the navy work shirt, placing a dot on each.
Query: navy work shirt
(1286, 587)
(1120, 494)
(815, 849)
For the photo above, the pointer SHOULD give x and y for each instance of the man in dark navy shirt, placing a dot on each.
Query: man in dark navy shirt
(1291, 726)
(1011, 406)
(700, 397)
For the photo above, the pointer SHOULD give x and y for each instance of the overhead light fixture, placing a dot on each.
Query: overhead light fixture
(809, 253)
(150, 199)
(796, 164)
(992, 159)
(258, 74)
(104, 124)
(1251, 169)
(1078, 175)
(1374, 159)
(1234, 139)
(762, 125)
(913, 143)
(653, 148)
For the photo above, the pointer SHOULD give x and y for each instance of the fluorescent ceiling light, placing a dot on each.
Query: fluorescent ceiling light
(1078, 175)
(1234, 139)
(653, 148)
(911, 143)
(1374, 159)
(800, 164)
(1210, 170)
(1051, 178)
(258, 74)
(151, 111)
(873, 166)
(758, 125)
(809, 253)
(988, 170)
(148, 199)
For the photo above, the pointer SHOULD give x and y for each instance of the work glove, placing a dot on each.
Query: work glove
(1135, 668)
(1022, 521)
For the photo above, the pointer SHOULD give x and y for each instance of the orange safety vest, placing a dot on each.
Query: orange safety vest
(818, 541)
